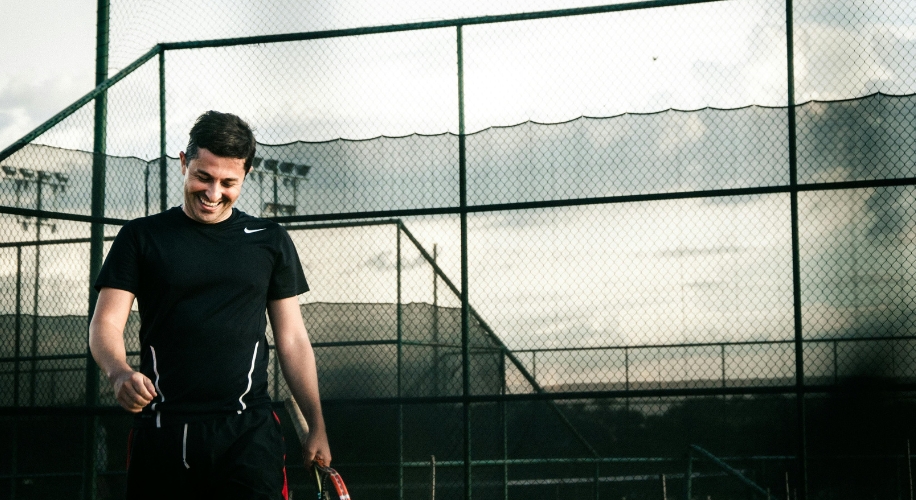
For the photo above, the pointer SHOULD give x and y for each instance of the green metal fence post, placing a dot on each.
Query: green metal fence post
(400, 334)
(688, 477)
(35, 288)
(801, 440)
(163, 173)
(18, 326)
(436, 388)
(722, 349)
(505, 422)
(14, 451)
(465, 305)
(97, 234)
(597, 484)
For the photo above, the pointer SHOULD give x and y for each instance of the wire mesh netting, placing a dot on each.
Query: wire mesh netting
(677, 284)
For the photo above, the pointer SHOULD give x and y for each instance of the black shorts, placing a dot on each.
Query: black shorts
(236, 457)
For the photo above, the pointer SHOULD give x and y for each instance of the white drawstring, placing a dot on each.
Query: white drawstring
(184, 448)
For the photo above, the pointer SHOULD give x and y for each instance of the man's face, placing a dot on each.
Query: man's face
(211, 185)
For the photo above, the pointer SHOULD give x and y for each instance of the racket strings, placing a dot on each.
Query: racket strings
(325, 475)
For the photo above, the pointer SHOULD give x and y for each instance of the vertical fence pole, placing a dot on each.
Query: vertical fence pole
(688, 477)
(626, 421)
(505, 422)
(400, 334)
(534, 365)
(436, 388)
(801, 441)
(97, 234)
(163, 173)
(432, 477)
(909, 467)
(722, 347)
(18, 326)
(597, 484)
(146, 190)
(14, 452)
(465, 307)
(35, 288)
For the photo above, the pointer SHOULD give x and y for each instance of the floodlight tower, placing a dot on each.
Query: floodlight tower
(287, 173)
(25, 178)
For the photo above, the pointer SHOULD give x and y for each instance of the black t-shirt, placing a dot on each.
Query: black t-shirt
(202, 292)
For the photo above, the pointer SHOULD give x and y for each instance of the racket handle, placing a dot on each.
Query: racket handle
(302, 427)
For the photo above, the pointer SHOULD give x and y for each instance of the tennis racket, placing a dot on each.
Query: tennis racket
(329, 483)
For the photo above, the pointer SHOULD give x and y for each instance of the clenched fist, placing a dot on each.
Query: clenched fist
(133, 390)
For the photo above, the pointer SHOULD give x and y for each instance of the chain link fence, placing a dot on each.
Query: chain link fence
(637, 250)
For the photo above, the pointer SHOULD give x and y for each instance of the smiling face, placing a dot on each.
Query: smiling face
(211, 185)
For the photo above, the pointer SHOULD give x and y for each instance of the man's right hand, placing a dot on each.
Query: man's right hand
(133, 390)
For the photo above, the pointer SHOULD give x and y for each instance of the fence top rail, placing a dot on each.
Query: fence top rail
(824, 340)
(425, 25)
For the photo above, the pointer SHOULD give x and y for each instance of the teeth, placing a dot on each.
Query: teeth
(209, 204)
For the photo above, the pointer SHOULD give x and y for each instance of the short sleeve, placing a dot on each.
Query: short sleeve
(287, 279)
(121, 269)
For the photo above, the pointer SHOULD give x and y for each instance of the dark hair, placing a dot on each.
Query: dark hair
(223, 134)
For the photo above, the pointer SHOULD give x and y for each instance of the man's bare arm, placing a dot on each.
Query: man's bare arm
(297, 359)
(132, 389)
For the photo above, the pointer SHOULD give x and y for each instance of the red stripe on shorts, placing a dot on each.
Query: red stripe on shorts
(285, 491)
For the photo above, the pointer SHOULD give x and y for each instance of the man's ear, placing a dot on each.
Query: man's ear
(184, 162)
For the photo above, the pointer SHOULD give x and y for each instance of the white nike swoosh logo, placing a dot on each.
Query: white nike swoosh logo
(249, 231)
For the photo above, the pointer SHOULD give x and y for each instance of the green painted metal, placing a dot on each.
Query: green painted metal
(688, 476)
(730, 470)
(550, 461)
(29, 212)
(801, 443)
(14, 428)
(97, 235)
(597, 484)
(465, 304)
(604, 200)
(68, 241)
(98, 151)
(450, 23)
(14, 457)
(18, 327)
(435, 333)
(505, 425)
(163, 159)
(400, 362)
(35, 298)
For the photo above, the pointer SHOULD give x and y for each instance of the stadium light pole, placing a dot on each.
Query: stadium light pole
(288, 174)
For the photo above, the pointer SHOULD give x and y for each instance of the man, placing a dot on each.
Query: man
(203, 275)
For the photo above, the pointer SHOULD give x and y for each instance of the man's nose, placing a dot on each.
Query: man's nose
(214, 192)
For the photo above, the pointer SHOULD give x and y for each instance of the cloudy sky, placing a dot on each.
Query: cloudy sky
(723, 54)
(46, 61)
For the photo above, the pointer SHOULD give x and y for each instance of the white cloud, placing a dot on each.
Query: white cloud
(46, 63)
